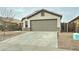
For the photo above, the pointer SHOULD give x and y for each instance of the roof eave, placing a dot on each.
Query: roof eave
(74, 19)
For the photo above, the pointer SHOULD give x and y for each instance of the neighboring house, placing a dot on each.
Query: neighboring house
(11, 24)
(74, 25)
(42, 20)
(64, 27)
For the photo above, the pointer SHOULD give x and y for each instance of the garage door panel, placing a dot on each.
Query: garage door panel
(43, 25)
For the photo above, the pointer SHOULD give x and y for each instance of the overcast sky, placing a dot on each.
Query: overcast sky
(68, 13)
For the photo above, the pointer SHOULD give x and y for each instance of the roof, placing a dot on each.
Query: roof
(74, 19)
(27, 17)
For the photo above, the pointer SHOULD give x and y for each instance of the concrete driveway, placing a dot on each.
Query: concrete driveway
(31, 41)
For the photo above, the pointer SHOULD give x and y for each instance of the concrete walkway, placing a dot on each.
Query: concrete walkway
(31, 41)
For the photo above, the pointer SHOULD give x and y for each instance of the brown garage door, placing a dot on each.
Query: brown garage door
(43, 25)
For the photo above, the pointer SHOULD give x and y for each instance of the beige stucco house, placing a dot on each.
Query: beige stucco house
(74, 25)
(42, 20)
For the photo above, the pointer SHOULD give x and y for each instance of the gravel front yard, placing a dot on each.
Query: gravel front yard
(31, 41)
(41, 41)
(66, 41)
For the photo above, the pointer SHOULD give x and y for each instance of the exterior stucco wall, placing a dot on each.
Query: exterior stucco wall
(47, 16)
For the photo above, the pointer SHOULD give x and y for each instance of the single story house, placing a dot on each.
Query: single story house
(74, 25)
(42, 20)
